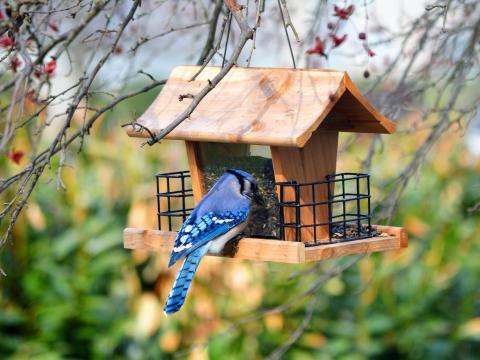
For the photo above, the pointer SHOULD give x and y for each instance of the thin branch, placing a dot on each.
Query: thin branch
(245, 35)
(36, 170)
(137, 127)
(282, 350)
(211, 32)
(214, 50)
(288, 20)
(474, 208)
(144, 40)
(258, 19)
(285, 26)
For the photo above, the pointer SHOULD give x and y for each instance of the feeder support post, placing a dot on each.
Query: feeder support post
(312, 163)
(196, 170)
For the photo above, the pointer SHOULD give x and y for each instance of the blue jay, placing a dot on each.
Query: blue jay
(219, 217)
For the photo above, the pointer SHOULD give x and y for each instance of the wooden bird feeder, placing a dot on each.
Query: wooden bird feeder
(298, 114)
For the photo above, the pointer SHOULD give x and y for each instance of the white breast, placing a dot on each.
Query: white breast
(216, 246)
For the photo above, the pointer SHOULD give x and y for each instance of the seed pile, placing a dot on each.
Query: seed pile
(352, 231)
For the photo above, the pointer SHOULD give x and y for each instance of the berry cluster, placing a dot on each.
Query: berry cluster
(333, 39)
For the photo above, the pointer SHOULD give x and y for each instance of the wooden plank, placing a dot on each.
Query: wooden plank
(270, 250)
(399, 232)
(196, 170)
(274, 250)
(312, 163)
(142, 239)
(278, 107)
(375, 244)
(247, 248)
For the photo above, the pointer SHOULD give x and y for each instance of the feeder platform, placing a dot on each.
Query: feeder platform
(293, 252)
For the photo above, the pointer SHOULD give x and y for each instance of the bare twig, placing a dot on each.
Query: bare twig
(137, 127)
(288, 20)
(212, 29)
(146, 39)
(185, 96)
(474, 208)
(258, 19)
(278, 353)
(245, 35)
(285, 26)
(214, 50)
(36, 170)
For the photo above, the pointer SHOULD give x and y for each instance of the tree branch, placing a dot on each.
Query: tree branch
(245, 35)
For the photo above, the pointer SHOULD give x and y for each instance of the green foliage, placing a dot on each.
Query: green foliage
(72, 291)
(64, 295)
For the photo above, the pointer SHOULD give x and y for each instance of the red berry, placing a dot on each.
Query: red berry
(53, 24)
(6, 41)
(15, 155)
(15, 63)
(369, 51)
(362, 36)
(37, 73)
(319, 47)
(50, 67)
(343, 13)
(366, 74)
(338, 40)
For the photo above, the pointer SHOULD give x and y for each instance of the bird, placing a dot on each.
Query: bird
(219, 217)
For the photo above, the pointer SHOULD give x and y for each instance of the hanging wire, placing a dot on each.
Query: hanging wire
(286, 33)
(228, 35)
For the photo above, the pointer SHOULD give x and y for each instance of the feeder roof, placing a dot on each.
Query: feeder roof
(264, 106)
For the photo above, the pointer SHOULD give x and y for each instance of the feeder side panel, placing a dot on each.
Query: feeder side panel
(349, 115)
(311, 163)
(353, 113)
(196, 170)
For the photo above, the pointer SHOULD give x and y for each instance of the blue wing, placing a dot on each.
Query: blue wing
(197, 231)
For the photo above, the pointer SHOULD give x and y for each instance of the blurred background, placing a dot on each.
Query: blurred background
(72, 291)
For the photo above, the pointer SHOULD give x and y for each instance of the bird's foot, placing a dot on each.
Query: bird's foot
(231, 247)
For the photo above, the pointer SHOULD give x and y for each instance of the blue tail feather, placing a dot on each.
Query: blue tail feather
(184, 278)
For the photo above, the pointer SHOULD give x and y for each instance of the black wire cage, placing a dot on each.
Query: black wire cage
(347, 202)
(174, 199)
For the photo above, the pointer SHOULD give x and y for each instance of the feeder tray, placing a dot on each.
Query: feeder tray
(313, 213)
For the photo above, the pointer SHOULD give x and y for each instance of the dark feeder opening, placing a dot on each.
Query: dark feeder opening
(348, 203)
